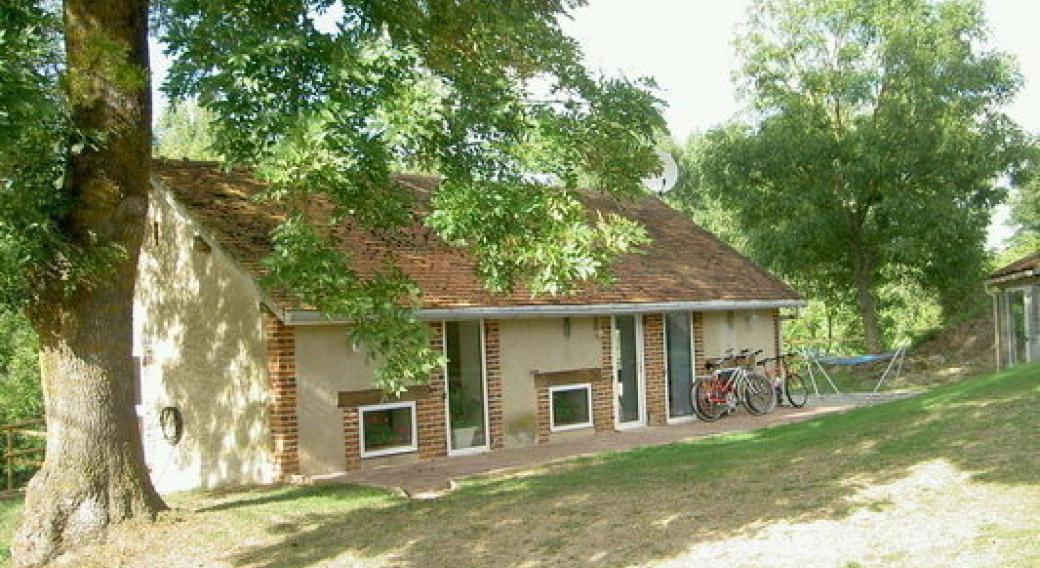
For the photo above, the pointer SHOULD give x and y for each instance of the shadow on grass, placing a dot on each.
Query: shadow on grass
(653, 503)
(260, 497)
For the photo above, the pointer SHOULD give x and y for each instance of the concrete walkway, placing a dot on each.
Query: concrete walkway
(431, 478)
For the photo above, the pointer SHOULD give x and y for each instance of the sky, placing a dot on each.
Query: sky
(686, 46)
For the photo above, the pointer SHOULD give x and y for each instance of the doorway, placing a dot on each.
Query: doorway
(628, 371)
(466, 386)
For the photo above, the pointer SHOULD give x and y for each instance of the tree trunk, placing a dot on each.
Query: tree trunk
(866, 303)
(94, 474)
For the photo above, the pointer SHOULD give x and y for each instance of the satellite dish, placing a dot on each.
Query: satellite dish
(668, 176)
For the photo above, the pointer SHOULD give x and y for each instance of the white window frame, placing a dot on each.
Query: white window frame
(565, 388)
(615, 355)
(414, 447)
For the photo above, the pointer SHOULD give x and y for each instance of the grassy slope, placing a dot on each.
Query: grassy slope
(652, 504)
(9, 511)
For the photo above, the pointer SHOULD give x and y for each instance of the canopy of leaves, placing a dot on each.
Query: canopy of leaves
(185, 131)
(875, 135)
(1025, 218)
(332, 97)
(33, 128)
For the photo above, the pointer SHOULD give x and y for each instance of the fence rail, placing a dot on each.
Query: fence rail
(13, 457)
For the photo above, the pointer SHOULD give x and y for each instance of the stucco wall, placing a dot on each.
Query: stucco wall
(199, 338)
(326, 363)
(539, 345)
(750, 329)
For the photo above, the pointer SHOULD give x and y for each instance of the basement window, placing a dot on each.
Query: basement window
(388, 429)
(570, 407)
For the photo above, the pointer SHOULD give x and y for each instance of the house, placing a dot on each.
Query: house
(1016, 310)
(238, 386)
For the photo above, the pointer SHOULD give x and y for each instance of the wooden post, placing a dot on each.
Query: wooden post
(8, 459)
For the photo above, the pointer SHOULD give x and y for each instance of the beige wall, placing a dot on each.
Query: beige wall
(326, 363)
(531, 345)
(750, 329)
(199, 334)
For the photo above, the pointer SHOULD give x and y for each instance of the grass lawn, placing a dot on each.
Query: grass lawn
(949, 478)
(9, 510)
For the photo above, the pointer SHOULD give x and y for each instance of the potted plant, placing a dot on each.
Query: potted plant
(464, 411)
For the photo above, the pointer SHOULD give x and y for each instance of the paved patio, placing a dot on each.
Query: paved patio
(431, 478)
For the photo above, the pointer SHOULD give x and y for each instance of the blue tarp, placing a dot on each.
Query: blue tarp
(857, 359)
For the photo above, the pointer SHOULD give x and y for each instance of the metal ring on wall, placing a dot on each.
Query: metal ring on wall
(171, 423)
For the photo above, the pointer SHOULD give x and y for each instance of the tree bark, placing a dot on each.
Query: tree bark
(866, 303)
(94, 474)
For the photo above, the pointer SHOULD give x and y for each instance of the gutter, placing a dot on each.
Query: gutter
(307, 317)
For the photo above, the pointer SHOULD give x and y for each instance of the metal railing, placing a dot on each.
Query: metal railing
(21, 457)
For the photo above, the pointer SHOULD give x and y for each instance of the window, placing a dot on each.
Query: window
(387, 429)
(570, 407)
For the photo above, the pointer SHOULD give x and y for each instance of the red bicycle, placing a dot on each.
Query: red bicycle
(732, 383)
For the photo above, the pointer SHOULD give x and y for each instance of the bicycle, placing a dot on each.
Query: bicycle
(787, 382)
(728, 386)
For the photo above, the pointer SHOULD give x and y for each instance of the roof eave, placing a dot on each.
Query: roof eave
(1013, 276)
(310, 317)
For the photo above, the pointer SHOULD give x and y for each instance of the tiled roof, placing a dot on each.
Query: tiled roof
(682, 263)
(1031, 262)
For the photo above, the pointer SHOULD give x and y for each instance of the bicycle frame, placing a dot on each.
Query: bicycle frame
(727, 381)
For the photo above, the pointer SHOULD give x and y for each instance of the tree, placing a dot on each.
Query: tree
(1025, 217)
(443, 86)
(185, 131)
(873, 147)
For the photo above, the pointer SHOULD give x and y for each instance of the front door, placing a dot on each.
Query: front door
(628, 371)
(467, 400)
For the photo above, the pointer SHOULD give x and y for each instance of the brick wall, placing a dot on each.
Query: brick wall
(776, 333)
(430, 409)
(655, 379)
(603, 390)
(493, 376)
(352, 436)
(281, 373)
(542, 414)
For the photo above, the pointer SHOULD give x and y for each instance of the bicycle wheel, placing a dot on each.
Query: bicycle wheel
(703, 404)
(758, 394)
(797, 391)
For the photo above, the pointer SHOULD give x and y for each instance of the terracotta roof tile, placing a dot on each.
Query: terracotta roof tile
(681, 263)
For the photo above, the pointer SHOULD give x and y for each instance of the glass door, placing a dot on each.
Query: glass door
(679, 360)
(627, 371)
(467, 409)
(1018, 343)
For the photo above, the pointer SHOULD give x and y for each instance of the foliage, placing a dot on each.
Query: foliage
(20, 395)
(874, 147)
(483, 94)
(21, 398)
(34, 130)
(691, 195)
(1025, 217)
(185, 131)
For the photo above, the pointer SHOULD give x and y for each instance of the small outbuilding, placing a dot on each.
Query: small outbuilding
(1016, 310)
(238, 385)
